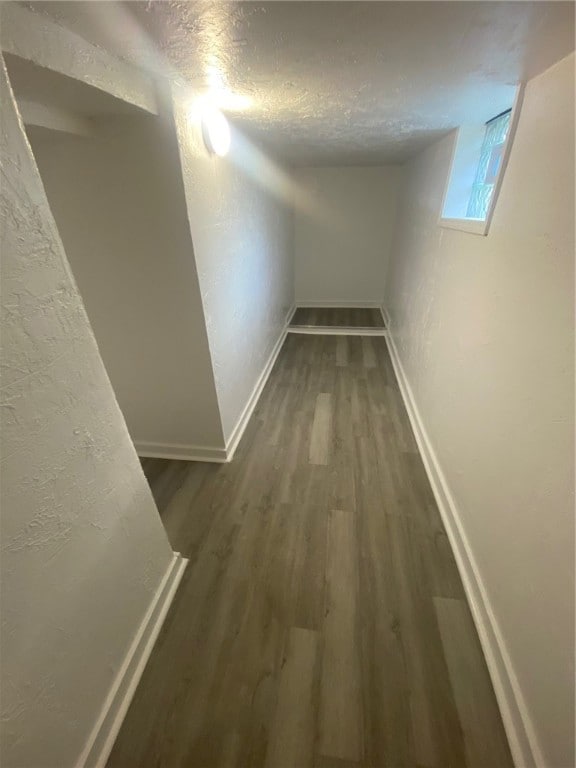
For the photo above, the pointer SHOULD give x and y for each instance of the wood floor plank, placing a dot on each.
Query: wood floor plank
(291, 741)
(386, 684)
(344, 317)
(268, 554)
(293, 453)
(484, 737)
(340, 715)
(341, 351)
(437, 739)
(334, 762)
(278, 431)
(321, 430)
(312, 522)
(369, 356)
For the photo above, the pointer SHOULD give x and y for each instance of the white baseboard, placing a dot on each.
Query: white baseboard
(216, 454)
(339, 304)
(526, 752)
(385, 315)
(107, 727)
(147, 450)
(244, 418)
(326, 330)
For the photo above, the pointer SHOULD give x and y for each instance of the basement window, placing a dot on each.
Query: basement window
(478, 164)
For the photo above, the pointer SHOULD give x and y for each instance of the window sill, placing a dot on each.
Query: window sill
(472, 226)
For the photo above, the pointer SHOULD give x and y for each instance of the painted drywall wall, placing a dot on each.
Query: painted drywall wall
(35, 37)
(342, 243)
(118, 200)
(83, 548)
(485, 331)
(241, 219)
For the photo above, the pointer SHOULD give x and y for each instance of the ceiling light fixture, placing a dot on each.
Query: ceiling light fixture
(215, 131)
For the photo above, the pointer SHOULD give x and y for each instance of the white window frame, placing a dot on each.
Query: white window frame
(481, 226)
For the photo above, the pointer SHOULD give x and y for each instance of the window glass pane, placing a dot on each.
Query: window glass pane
(488, 167)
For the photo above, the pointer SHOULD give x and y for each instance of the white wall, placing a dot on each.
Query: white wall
(342, 241)
(83, 548)
(118, 199)
(35, 37)
(242, 235)
(485, 331)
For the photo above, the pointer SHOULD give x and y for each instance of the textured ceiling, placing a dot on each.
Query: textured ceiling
(338, 82)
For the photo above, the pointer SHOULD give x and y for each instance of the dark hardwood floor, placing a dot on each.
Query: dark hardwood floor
(341, 317)
(321, 621)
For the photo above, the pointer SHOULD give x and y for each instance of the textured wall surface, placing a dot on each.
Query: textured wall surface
(35, 37)
(342, 253)
(243, 236)
(118, 200)
(485, 331)
(83, 548)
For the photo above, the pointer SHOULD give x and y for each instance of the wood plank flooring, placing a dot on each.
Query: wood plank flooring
(342, 317)
(321, 622)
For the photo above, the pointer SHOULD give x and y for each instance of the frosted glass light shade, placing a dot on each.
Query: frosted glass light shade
(216, 132)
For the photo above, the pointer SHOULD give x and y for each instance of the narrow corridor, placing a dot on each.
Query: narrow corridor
(321, 621)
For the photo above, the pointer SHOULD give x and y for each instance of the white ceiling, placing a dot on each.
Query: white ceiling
(338, 82)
